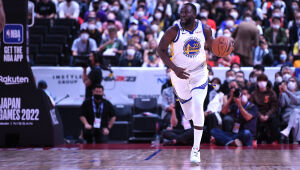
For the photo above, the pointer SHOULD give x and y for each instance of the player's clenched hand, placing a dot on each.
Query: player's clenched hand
(180, 72)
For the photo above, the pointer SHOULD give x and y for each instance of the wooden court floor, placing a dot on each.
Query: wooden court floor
(142, 156)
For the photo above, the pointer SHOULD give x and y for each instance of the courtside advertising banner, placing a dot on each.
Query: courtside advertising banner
(66, 86)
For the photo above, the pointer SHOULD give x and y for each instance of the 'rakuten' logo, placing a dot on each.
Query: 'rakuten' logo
(8, 80)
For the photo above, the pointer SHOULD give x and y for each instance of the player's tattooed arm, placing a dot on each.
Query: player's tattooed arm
(2, 16)
(162, 51)
(208, 36)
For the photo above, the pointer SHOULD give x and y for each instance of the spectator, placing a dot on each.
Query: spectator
(133, 30)
(275, 35)
(227, 120)
(251, 85)
(119, 10)
(240, 78)
(131, 57)
(230, 75)
(266, 100)
(235, 67)
(112, 20)
(286, 73)
(283, 60)
(289, 100)
(100, 15)
(45, 9)
(83, 45)
(263, 54)
(111, 45)
(245, 117)
(69, 9)
(229, 24)
(293, 31)
(246, 37)
(151, 47)
(98, 116)
(91, 18)
(157, 32)
(83, 5)
(153, 61)
(204, 13)
(278, 81)
(217, 11)
(140, 15)
(93, 30)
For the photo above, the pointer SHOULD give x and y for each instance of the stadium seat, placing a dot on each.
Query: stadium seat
(43, 22)
(120, 131)
(62, 30)
(40, 30)
(35, 39)
(141, 105)
(123, 112)
(46, 59)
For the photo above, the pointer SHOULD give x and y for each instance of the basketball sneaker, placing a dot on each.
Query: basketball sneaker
(195, 156)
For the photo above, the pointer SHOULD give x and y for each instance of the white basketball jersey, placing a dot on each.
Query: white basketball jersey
(187, 49)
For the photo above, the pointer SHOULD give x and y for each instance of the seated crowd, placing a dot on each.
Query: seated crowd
(127, 32)
(240, 111)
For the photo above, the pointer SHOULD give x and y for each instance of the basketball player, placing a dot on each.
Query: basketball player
(2, 16)
(189, 74)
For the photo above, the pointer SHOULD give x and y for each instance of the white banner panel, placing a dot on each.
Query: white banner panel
(127, 83)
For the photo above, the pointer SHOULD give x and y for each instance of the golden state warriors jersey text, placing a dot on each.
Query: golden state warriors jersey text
(187, 49)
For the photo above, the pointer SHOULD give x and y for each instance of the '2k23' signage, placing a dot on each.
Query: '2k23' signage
(13, 39)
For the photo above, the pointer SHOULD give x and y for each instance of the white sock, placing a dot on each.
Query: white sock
(197, 138)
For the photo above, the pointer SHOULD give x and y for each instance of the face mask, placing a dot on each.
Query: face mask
(277, 15)
(247, 19)
(130, 52)
(217, 87)
(229, 23)
(244, 98)
(286, 77)
(294, 7)
(227, 35)
(282, 57)
(91, 27)
(140, 14)
(276, 27)
(291, 86)
(252, 79)
(161, 8)
(134, 27)
(278, 79)
(210, 77)
(115, 8)
(84, 36)
(154, 28)
(262, 84)
(230, 78)
(204, 14)
(236, 69)
(151, 58)
(277, 3)
(98, 97)
(234, 15)
(158, 15)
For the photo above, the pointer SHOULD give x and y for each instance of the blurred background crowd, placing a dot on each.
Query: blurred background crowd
(126, 33)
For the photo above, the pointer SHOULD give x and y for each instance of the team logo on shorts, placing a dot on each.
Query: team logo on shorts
(191, 47)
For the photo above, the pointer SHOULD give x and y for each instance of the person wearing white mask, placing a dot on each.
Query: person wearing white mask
(277, 82)
(157, 32)
(234, 15)
(230, 75)
(131, 57)
(142, 18)
(204, 17)
(275, 35)
(83, 45)
(289, 101)
(266, 101)
(283, 60)
(133, 30)
(229, 24)
(245, 115)
(286, 73)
